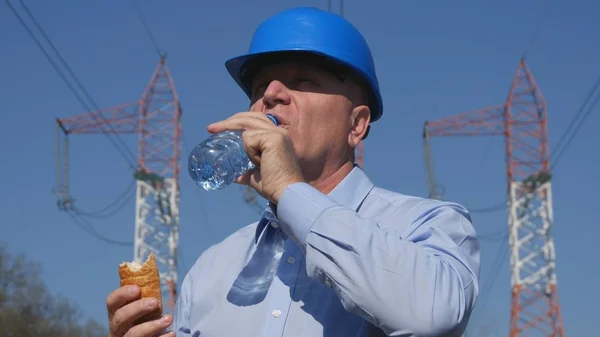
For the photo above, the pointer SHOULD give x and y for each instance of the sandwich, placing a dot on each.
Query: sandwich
(146, 277)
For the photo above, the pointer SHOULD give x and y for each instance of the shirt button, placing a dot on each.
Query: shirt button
(291, 259)
(276, 313)
(274, 225)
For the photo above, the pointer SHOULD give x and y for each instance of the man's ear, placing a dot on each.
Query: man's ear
(361, 117)
(367, 133)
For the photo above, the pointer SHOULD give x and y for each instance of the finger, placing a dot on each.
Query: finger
(126, 316)
(253, 114)
(121, 296)
(242, 121)
(239, 123)
(254, 141)
(169, 334)
(250, 178)
(244, 179)
(150, 328)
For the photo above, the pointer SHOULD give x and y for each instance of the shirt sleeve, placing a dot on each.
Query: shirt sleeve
(417, 276)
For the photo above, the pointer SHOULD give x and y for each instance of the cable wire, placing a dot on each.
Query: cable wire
(564, 141)
(490, 281)
(126, 154)
(330, 7)
(495, 236)
(559, 151)
(534, 36)
(146, 27)
(493, 208)
(104, 212)
(118, 201)
(538, 27)
(88, 228)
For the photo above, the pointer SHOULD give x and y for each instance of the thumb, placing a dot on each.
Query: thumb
(250, 178)
(244, 179)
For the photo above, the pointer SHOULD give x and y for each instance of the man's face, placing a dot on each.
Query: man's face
(315, 107)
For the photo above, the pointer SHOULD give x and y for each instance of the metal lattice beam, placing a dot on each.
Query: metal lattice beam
(522, 120)
(156, 119)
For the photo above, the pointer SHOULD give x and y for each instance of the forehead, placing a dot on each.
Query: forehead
(286, 68)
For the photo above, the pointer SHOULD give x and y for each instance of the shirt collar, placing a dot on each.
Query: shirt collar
(350, 193)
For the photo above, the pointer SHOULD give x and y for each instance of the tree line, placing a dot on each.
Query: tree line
(29, 309)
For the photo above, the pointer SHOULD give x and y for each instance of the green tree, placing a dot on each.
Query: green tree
(28, 309)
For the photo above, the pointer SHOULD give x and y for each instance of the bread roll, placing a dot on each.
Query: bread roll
(146, 277)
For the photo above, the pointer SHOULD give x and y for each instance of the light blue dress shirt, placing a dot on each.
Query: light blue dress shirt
(360, 261)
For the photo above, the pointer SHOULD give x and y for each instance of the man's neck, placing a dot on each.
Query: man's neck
(330, 181)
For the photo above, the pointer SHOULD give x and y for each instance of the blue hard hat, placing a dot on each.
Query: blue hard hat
(307, 30)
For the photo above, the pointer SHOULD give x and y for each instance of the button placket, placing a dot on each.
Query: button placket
(280, 302)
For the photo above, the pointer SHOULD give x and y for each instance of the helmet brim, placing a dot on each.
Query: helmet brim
(243, 67)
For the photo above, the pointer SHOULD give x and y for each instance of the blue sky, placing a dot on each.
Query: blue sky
(434, 59)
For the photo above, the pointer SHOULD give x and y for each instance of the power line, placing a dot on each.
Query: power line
(495, 236)
(493, 208)
(128, 156)
(574, 119)
(118, 204)
(564, 141)
(538, 27)
(330, 7)
(181, 266)
(88, 228)
(561, 150)
(146, 27)
(490, 281)
(534, 36)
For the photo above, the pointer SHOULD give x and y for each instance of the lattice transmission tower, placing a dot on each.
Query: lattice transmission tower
(522, 120)
(156, 119)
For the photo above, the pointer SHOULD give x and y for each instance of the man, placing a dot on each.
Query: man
(332, 255)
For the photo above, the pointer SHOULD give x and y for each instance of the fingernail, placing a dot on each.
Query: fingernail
(166, 318)
(132, 290)
(151, 302)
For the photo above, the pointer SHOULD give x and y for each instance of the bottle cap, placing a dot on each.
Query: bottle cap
(273, 119)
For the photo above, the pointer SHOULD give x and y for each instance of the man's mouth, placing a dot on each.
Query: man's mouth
(282, 121)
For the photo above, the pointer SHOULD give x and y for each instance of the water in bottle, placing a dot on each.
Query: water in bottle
(220, 159)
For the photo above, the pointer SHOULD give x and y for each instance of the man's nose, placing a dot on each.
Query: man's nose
(276, 93)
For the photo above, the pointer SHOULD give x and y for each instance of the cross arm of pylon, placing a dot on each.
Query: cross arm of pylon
(120, 119)
(522, 120)
(481, 122)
